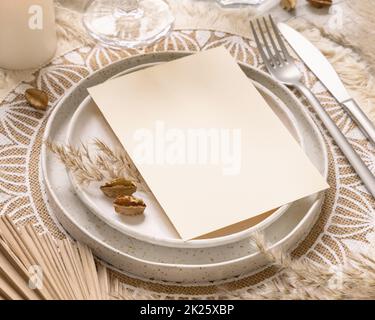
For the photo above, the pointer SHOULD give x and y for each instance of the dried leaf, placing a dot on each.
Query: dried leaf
(288, 4)
(38, 99)
(129, 205)
(320, 3)
(119, 187)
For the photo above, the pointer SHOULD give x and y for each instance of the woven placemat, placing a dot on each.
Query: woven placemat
(346, 223)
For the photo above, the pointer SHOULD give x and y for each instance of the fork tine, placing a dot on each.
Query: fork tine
(279, 40)
(259, 45)
(274, 46)
(266, 44)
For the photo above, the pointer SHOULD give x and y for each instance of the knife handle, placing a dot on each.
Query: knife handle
(360, 118)
(355, 160)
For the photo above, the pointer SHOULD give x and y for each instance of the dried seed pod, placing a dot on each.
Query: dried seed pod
(119, 187)
(320, 3)
(38, 99)
(288, 4)
(129, 206)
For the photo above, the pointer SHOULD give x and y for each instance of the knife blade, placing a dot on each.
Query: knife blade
(325, 72)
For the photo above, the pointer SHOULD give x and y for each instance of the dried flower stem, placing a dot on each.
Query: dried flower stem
(103, 164)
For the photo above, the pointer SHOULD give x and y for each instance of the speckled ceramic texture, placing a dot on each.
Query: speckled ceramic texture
(181, 265)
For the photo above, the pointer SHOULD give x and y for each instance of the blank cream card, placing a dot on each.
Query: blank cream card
(205, 141)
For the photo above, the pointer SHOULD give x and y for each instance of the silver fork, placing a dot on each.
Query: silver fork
(282, 67)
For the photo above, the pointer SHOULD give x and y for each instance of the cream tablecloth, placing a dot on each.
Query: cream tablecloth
(346, 223)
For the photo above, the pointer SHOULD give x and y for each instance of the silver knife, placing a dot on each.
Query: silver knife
(324, 71)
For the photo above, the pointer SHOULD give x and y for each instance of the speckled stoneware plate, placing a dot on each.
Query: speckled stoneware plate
(154, 226)
(149, 261)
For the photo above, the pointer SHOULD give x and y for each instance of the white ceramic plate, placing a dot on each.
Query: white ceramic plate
(145, 260)
(88, 123)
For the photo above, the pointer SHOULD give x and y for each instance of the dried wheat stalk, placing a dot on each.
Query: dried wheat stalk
(104, 163)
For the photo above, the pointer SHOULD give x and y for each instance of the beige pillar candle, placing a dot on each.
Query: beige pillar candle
(27, 33)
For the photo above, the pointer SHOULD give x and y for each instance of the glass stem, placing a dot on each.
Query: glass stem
(126, 5)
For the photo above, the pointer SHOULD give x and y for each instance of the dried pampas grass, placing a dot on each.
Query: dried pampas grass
(102, 163)
(358, 29)
(69, 22)
(301, 279)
